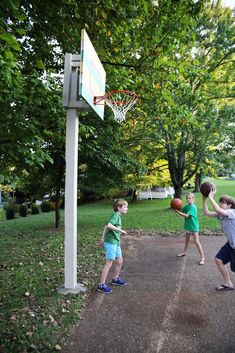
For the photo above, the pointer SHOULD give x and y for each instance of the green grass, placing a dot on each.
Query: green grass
(33, 316)
(153, 214)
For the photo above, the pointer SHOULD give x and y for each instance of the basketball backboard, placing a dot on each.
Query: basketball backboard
(92, 75)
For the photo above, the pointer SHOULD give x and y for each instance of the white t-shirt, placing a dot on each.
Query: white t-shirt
(228, 226)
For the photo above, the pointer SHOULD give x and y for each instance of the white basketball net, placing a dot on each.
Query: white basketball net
(120, 102)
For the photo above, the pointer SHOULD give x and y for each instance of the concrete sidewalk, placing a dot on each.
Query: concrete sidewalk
(169, 305)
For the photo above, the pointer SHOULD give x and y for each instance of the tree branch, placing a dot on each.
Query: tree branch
(5, 140)
(220, 97)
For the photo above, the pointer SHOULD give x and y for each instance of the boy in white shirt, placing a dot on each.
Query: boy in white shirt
(225, 212)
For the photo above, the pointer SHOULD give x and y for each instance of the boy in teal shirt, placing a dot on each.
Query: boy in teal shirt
(191, 225)
(113, 252)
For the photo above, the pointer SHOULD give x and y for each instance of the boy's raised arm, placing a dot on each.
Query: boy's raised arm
(206, 211)
(218, 210)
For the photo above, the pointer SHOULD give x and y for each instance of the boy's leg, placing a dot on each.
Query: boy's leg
(198, 245)
(186, 245)
(232, 262)
(224, 272)
(102, 287)
(117, 266)
(105, 271)
(221, 259)
(110, 250)
(117, 281)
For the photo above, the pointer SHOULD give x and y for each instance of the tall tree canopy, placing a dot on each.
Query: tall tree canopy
(187, 103)
(177, 55)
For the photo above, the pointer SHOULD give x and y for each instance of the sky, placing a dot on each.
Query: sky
(230, 3)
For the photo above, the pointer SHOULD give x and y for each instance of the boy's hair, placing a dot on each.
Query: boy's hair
(119, 203)
(228, 199)
(191, 193)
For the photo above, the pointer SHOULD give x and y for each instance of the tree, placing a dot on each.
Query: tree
(183, 112)
(33, 120)
(172, 53)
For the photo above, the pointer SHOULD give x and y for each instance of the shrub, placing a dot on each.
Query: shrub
(10, 211)
(35, 209)
(46, 206)
(23, 210)
(11, 208)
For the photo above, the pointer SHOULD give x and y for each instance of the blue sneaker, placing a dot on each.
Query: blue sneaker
(118, 282)
(104, 289)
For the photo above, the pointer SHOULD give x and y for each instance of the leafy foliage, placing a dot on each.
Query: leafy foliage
(178, 56)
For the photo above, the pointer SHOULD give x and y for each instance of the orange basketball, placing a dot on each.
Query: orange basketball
(176, 204)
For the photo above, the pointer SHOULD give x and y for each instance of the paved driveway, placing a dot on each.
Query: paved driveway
(169, 305)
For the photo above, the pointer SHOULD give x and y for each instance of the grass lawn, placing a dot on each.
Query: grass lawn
(33, 316)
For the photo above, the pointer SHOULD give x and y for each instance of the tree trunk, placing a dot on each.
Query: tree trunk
(177, 181)
(59, 180)
(134, 196)
(178, 191)
(57, 208)
(176, 164)
(198, 180)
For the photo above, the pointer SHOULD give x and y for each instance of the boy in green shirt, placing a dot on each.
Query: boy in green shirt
(191, 225)
(113, 252)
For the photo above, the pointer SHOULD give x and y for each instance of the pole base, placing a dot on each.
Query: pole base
(79, 288)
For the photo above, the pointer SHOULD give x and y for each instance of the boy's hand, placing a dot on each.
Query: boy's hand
(212, 193)
(123, 232)
(100, 242)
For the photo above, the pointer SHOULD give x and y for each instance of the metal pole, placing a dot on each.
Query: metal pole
(71, 199)
(71, 156)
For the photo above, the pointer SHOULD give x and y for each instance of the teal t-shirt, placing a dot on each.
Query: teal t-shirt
(111, 236)
(191, 224)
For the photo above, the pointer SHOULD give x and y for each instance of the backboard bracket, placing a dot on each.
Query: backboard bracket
(80, 105)
(71, 98)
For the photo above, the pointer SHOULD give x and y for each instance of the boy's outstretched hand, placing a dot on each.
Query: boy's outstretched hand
(100, 242)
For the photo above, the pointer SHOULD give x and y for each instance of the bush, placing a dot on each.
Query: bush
(10, 212)
(23, 210)
(11, 208)
(35, 209)
(46, 206)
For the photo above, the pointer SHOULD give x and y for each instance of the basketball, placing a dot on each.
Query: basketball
(206, 188)
(176, 204)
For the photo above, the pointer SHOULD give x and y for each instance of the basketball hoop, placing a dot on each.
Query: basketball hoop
(119, 101)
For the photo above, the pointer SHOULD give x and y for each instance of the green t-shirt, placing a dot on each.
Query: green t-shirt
(112, 236)
(191, 224)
